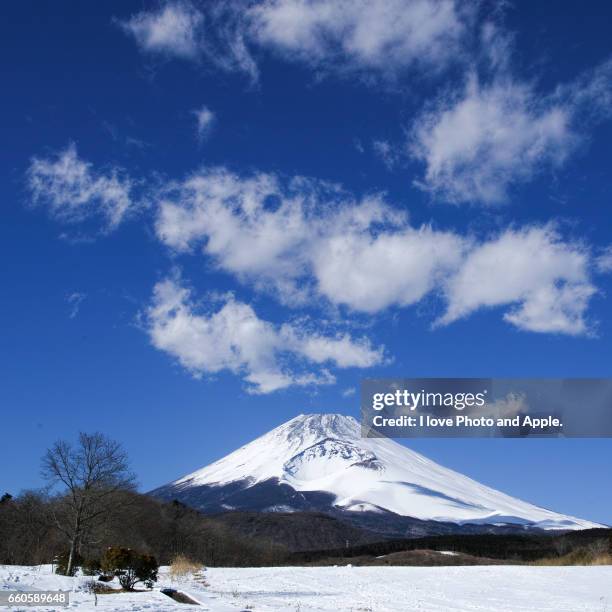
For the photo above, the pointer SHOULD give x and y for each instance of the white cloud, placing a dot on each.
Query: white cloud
(228, 216)
(498, 130)
(174, 29)
(490, 137)
(388, 154)
(74, 300)
(554, 309)
(590, 95)
(377, 36)
(384, 35)
(372, 272)
(74, 191)
(341, 350)
(305, 240)
(507, 407)
(205, 119)
(235, 339)
(226, 44)
(214, 32)
(349, 392)
(603, 262)
(543, 280)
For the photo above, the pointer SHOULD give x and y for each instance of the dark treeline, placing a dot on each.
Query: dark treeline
(29, 536)
(297, 531)
(167, 529)
(518, 548)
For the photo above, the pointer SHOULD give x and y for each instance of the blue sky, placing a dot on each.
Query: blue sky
(218, 216)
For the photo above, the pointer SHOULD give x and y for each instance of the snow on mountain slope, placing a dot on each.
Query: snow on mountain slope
(325, 453)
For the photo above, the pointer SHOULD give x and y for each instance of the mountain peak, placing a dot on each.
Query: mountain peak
(320, 425)
(323, 457)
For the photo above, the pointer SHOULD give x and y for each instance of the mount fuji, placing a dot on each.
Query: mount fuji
(320, 463)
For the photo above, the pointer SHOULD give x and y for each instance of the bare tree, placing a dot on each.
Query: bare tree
(91, 475)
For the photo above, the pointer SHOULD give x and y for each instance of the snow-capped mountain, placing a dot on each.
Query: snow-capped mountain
(320, 462)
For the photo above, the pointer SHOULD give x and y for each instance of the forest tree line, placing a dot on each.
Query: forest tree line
(90, 503)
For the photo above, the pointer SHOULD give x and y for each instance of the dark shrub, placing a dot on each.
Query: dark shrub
(61, 562)
(130, 566)
(91, 567)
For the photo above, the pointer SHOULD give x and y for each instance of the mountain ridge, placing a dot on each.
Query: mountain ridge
(319, 462)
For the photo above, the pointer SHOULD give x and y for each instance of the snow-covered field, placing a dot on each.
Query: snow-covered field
(356, 589)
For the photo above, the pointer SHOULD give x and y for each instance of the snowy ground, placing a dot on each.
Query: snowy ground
(356, 589)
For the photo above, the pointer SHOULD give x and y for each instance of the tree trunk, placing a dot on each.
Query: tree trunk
(71, 557)
(74, 542)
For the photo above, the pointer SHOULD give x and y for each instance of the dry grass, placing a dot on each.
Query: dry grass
(597, 553)
(99, 588)
(572, 559)
(182, 566)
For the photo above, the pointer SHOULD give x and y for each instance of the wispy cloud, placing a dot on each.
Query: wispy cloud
(385, 36)
(174, 29)
(497, 130)
(210, 32)
(381, 37)
(129, 141)
(74, 301)
(489, 132)
(387, 153)
(233, 338)
(205, 120)
(73, 190)
(603, 261)
(477, 144)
